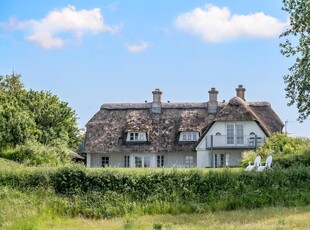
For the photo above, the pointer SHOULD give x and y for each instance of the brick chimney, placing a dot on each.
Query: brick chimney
(212, 103)
(240, 92)
(156, 104)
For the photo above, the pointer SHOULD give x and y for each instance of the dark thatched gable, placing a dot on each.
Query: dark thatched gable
(107, 130)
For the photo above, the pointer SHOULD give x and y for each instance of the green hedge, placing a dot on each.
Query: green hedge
(114, 192)
(293, 160)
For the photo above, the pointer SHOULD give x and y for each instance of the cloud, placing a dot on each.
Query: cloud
(216, 24)
(136, 48)
(49, 32)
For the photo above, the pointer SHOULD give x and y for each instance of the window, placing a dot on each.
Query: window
(146, 162)
(142, 161)
(105, 161)
(160, 161)
(222, 160)
(136, 136)
(230, 134)
(189, 161)
(239, 134)
(126, 161)
(189, 136)
(235, 134)
(138, 162)
(218, 134)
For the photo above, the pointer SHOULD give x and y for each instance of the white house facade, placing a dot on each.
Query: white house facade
(157, 134)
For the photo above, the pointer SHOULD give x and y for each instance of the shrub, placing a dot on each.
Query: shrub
(247, 157)
(281, 144)
(302, 159)
(115, 192)
(35, 153)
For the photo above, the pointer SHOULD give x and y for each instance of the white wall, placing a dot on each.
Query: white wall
(249, 126)
(205, 157)
(117, 159)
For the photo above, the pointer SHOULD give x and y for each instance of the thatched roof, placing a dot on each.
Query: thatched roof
(106, 131)
(240, 110)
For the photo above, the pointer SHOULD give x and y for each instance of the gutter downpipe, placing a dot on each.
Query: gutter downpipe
(212, 151)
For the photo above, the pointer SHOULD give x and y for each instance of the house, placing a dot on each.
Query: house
(158, 134)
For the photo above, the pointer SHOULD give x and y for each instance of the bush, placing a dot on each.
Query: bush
(247, 157)
(302, 159)
(35, 153)
(286, 151)
(116, 192)
(280, 144)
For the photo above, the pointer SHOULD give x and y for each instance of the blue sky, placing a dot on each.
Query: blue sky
(92, 52)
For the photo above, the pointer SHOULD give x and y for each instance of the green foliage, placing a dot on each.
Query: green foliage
(293, 160)
(16, 124)
(107, 193)
(281, 144)
(286, 151)
(54, 119)
(36, 115)
(35, 153)
(248, 157)
(298, 80)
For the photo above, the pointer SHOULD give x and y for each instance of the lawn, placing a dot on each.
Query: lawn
(72, 197)
(271, 218)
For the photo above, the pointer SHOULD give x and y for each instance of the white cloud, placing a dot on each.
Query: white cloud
(136, 48)
(49, 31)
(217, 24)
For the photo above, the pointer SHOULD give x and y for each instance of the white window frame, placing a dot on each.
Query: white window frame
(189, 161)
(230, 136)
(235, 135)
(136, 136)
(189, 136)
(146, 161)
(239, 134)
(221, 160)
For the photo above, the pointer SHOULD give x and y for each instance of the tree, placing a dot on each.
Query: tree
(53, 118)
(297, 44)
(36, 115)
(16, 124)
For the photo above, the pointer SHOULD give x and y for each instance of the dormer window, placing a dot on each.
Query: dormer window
(136, 136)
(189, 136)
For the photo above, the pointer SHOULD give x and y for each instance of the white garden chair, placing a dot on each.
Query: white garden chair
(267, 164)
(255, 165)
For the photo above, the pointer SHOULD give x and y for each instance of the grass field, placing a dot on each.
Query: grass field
(152, 199)
(271, 218)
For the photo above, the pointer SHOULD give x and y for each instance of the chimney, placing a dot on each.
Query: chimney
(156, 104)
(240, 92)
(212, 103)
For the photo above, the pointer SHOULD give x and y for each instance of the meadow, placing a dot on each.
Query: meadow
(68, 196)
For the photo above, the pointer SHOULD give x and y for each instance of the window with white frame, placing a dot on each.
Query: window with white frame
(142, 161)
(189, 161)
(235, 134)
(239, 134)
(126, 161)
(221, 160)
(105, 161)
(189, 136)
(136, 136)
(230, 128)
(160, 161)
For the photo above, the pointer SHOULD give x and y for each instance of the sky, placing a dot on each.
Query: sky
(94, 52)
